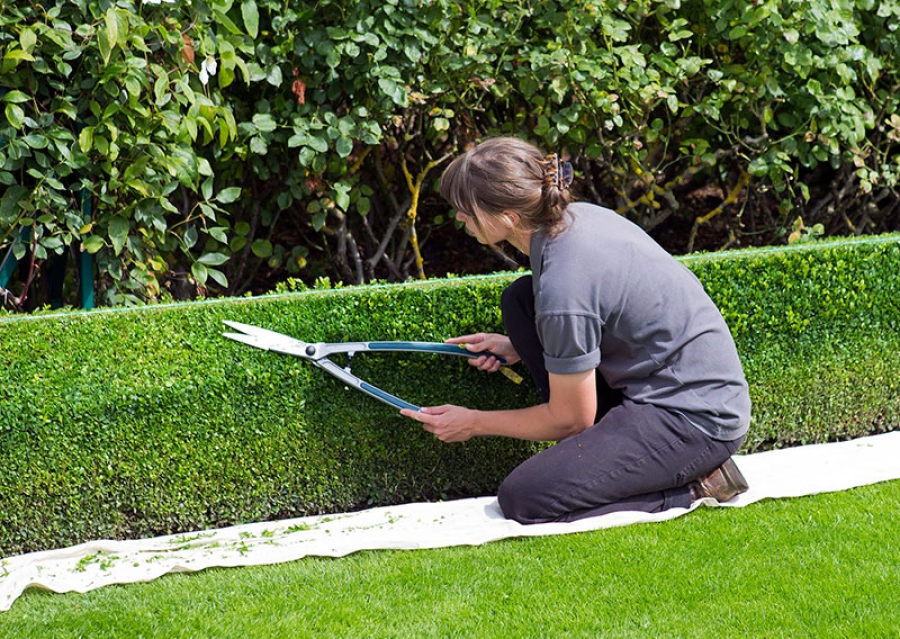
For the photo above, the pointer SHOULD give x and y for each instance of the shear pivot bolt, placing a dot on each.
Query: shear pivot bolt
(310, 350)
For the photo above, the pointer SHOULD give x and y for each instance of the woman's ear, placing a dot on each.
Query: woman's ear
(511, 218)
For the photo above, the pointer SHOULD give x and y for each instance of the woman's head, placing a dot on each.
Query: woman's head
(503, 175)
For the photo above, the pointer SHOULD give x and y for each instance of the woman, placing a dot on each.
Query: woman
(641, 382)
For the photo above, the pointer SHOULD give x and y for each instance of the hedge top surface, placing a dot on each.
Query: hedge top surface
(499, 277)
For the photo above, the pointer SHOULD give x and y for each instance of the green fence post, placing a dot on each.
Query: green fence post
(86, 260)
(86, 263)
(8, 266)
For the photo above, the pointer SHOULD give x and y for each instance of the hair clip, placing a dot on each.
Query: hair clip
(558, 173)
(566, 175)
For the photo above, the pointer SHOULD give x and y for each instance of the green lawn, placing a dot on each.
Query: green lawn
(825, 566)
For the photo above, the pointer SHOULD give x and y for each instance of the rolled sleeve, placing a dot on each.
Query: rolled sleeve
(571, 342)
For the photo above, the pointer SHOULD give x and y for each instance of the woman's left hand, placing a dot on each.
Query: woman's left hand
(448, 423)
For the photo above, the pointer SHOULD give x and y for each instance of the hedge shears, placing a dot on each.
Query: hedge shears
(319, 352)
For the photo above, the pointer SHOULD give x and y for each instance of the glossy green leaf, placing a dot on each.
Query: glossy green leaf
(104, 44)
(15, 96)
(264, 122)
(250, 14)
(15, 116)
(213, 259)
(228, 195)
(93, 243)
(344, 147)
(190, 237)
(9, 204)
(219, 233)
(18, 55)
(200, 272)
(118, 233)
(218, 276)
(112, 27)
(262, 248)
(27, 39)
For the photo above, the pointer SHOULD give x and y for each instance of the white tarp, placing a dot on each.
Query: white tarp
(790, 472)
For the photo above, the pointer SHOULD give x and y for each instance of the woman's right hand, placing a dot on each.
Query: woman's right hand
(495, 343)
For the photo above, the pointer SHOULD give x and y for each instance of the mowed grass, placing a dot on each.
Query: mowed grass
(824, 566)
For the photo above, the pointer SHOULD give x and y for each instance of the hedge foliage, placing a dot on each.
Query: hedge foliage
(221, 140)
(818, 329)
(130, 423)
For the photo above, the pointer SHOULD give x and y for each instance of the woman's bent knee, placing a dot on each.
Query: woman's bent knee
(517, 503)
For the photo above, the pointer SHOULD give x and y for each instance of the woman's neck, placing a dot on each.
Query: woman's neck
(521, 239)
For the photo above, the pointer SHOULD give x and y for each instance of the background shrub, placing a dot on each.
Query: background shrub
(228, 145)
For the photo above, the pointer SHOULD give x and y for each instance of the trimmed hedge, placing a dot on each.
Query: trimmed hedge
(818, 329)
(138, 422)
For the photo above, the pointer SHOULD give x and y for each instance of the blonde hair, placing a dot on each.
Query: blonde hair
(508, 174)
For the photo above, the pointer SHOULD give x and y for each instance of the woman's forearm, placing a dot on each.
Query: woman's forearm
(571, 409)
(535, 423)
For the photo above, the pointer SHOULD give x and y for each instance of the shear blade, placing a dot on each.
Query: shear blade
(255, 330)
(266, 340)
(252, 340)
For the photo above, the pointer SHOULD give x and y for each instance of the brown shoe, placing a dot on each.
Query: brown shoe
(722, 484)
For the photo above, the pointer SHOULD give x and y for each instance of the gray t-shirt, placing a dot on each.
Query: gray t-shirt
(608, 297)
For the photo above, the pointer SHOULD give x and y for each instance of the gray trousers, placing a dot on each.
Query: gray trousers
(635, 457)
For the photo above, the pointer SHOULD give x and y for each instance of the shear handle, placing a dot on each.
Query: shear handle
(327, 349)
(430, 347)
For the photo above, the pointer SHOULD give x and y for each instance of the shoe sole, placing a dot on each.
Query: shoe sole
(733, 476)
